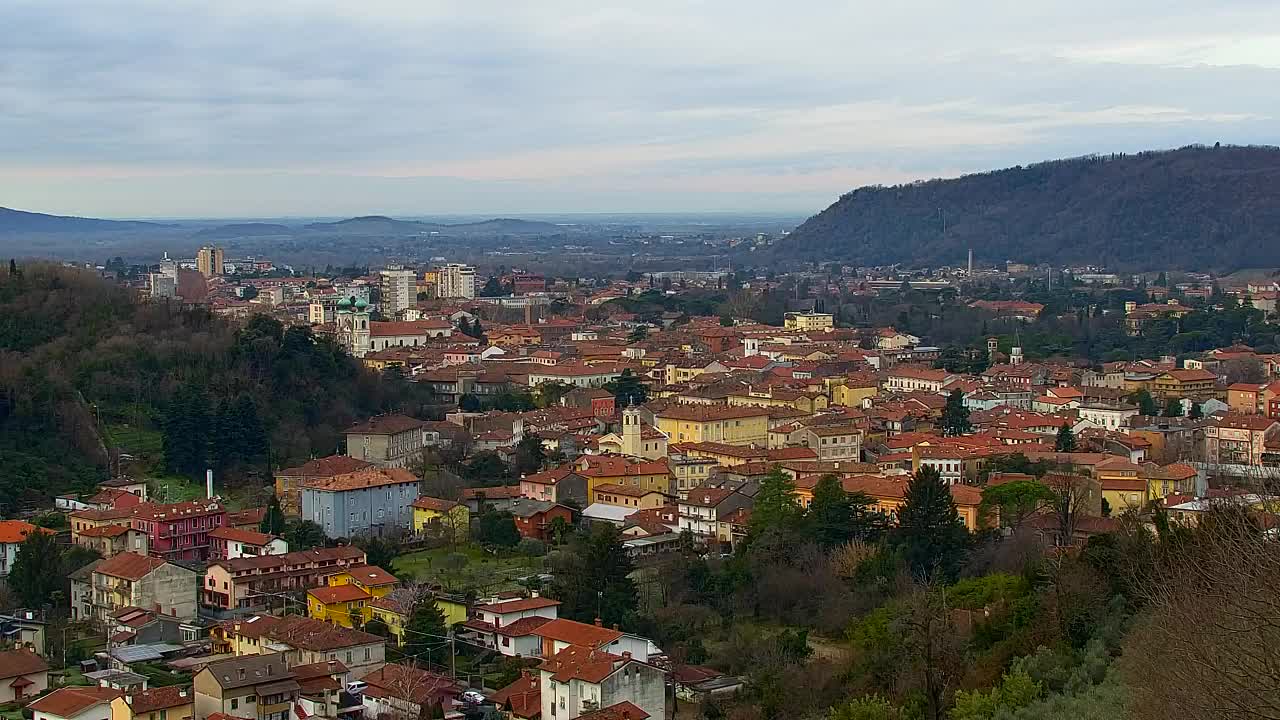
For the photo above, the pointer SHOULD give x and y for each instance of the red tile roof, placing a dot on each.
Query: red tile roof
(160, 697)
(361, 479)
(333, 594)
(326, 467)
(521, 605)
(127, 565)
(371, 575)
(579, 662)
(436, 504)
(248, 537)
(385, 425)
(70, 701)
(576, 633)
(15, 531)
(624, 710)
(20, 662)
(523, 697)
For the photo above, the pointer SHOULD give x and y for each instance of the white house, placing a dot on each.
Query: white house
(75, 703)
(579, 680)
(510, 627)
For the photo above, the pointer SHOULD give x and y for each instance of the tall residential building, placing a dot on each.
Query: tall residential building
(209, 260)
(457, 281)
(399, 289)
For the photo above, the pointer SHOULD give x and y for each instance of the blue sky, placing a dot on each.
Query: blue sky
(238, 108)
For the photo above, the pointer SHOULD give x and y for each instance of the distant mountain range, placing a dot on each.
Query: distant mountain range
(15, 221)
(383, 225)
(1196, 208)
(237, 230)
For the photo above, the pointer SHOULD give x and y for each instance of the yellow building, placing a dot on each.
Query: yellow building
(338, 604)
(804, 321)
(370, 578)
(628, 496)
(647, 475)
(734, 425)
(851, 392)
(395, 608)
(173, 702)
(1196, 385)
(434, 516)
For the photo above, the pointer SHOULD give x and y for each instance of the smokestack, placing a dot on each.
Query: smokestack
(970, 262)
(208, 483)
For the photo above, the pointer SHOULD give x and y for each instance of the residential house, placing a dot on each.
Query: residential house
(373, 501)
(500, 498)
(258, 687)
(23, 674)
(908, 377)
(1239, 439)
(690, 472)
(510, 627)
(832, 442)
(343, 600)
(401, 691)
(252, 582)
(75, 703)
(558, 484)
(648, 475)
(179, 531)
(702, 509)
(301, 641)
(578, 681)
(534, 517)
(562, 633)
(1248, 398)
(322, 692)
(12, 534)
(441, 518)
(172, 702)
(732, 425)
(289, 482)
(1106, 417)
(522, 699)
(1194, 385)
(226, 543)
(889, 494)
(388, 441)
(108, 540)
(131, 580)
(628, 496)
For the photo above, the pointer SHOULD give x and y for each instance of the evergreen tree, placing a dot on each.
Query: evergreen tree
(273, 520)
(1197, 411)
(1173, 407)
(254, 444)
(1146, 404)
(493, 288)
(591, 578)
(1066, 440)
(529, 455)
(775, 505)
(13, 266)
(425, 631)
(955, 416)
(628, 390)
(37, 571)
(464, 326)
(835, 517)
(638, 334)
(498, 528)
(186, 430)
(477, 330)
(930, 532)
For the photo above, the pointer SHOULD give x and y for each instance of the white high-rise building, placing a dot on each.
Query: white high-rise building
(399, 289)
(457, 281)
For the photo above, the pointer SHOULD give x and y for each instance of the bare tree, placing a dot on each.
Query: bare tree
(1207, 649)
(1074, 496)
(933, 651)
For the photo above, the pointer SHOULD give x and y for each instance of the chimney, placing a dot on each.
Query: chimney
(599, 622)
(208, 483)
(182, 693)
(626, 655)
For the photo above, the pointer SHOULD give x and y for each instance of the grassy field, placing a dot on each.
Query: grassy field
(144, 444)
(469, 567)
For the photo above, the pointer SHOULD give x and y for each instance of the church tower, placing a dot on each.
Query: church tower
(353, 325)
(631, 432)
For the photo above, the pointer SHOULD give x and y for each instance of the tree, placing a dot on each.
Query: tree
(303, 534)
(1066, 440)
(1016, 501)
(835, 517)
(498, 529)
(559, 530)
(185, 431)
(1071, 497)
(470, 403)
(775, 506)
(426, 629)
(379, 551)
(591, 578)
(529, 455)
(932, 536)
(726, 321)
(13, 266)
(638, 334)
(1173, 407)
(955, 416)
(492, 288)
(37, 571)
(932, 654)
(1146, 404)
(628, 389)
(871, 707)
(273, 519)
(1016, 690)
(1197, 411)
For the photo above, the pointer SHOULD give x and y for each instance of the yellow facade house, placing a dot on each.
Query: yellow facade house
(394, 610)
(733, 425)
(173, 702)
(434, 516)
(342, 601)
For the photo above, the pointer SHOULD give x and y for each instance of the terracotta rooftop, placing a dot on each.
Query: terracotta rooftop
(385, 425)
(576, 633)
(624, 710)
(68, 702)
(435, 504)
(158, 698)
(326, 467)
(520, 605)
(580, 662)
(371, 575)
(523, 697)
(20, 662)
(248, 537)
(362, 479)
(333, 594)
(128, 565)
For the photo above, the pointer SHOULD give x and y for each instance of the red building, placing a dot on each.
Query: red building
(534, 517)
(179, 531)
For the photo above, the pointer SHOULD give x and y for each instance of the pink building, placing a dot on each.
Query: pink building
(179, 531)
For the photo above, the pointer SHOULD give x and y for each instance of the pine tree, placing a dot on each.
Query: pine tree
(1066, 441)
(1197, 412)
(775, 505)
(955, 416)
(254, 444)
(425, 630)
(186, 431)
(932, 536)
(273, 520)
(1173, 407)
(628, 389)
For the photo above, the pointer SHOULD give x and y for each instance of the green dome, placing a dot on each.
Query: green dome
(362, 304)
(344, 303)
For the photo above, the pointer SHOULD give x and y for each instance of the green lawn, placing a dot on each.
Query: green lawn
(142, 443)
(479, 570)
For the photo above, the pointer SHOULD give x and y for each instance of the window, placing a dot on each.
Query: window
(348, 657)
(366, 653)
(235, 704)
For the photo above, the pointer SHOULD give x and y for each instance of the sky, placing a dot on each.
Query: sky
(244, 108)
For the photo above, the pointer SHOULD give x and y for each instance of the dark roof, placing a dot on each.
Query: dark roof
(130, 566)
(20, 662)
(246, 670)
(160, 697)
(385, 425)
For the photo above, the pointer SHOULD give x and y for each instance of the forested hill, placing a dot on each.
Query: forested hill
(82, 359)
(1194, 208)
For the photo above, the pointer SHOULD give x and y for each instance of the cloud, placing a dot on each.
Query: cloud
(522, 103)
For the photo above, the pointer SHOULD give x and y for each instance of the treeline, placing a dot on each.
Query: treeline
(74, 346)
(1195, 208)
